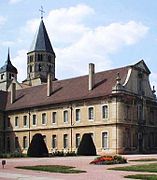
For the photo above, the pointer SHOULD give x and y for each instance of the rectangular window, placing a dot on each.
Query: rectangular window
(54, 141)
(8, 122)
(78, 138)
(44, 118)
(78, 114)
(65, 114)
(25, 143)
(54, 117)
(8, 144)
(2, 76)
(90, 113)
(105, 140)
(34, 120)
(105, 112)
(65, 141)
(16, 121)
(16, 142)
(24, 121)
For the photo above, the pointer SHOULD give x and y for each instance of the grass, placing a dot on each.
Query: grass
(144, 160)
(52, 168)
(141, 168)
(143, 176)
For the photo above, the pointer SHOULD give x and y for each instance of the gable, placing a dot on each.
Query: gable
(142, 65)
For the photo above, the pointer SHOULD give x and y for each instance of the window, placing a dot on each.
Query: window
(78, 138)
(90, 113)
(24, 121)
(8, 122)
(105, 140)
(40, 57)
(31, 59)
(2, 76)
(140, 112)
(54, 141)
(78, 114)
(65, 141)
(16, 142)
(49, 58)
(105, 112)
(44, 138)
(8, 144)
(65, 116)
(25, 143)
(16, 121)
(40, 67)
(44, 118)
(34, 120)
(30, 69)
(54, 117)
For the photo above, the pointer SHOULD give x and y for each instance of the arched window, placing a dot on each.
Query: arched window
(40, 67)
(49, 58)
(30, 69)
(40, 57)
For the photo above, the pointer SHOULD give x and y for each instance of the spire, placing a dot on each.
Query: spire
(41, 41)
(8, 58)
(8, 65)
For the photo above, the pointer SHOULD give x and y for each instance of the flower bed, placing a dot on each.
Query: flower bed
(101, 160)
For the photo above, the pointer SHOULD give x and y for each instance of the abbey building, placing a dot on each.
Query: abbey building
(118, 107)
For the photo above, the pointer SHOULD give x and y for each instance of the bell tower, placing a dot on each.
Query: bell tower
(40, 58)
(7, 73)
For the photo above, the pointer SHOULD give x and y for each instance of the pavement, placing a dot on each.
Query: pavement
(94, 172)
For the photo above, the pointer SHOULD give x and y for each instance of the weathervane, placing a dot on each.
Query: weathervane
(42, 12)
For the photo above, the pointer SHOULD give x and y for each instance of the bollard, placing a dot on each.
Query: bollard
(3, 163)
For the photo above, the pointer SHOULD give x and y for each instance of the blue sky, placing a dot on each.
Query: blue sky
(108, 33)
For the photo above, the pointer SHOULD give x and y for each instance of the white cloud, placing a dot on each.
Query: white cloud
(20, 62)
(2, 20)
(77, 44)
(14, 1)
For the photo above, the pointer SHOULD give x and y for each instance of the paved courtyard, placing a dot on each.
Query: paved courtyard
(94, 172)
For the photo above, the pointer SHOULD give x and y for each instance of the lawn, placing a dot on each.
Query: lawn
(52, 168)
(143, 176)
(141, 168)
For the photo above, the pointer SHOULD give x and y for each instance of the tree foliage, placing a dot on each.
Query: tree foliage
(86, 147)
(37, 147)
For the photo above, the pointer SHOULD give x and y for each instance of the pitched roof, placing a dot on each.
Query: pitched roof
(8, 66)
(41, 40)
(67, 90)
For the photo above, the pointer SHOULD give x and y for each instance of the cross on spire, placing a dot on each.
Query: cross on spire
(42, 12)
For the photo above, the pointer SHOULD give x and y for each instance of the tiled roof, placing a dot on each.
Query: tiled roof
(41, 40)
(67, 90)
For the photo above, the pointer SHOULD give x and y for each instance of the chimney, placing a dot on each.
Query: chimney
(49, 81)
(13, 92)
(91, 76)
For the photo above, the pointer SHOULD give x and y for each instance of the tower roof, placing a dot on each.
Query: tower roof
(8, 66)
(41, 40)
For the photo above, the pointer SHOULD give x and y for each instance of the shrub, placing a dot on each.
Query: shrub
(86, 147)
(37, 147)
(101, 160)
